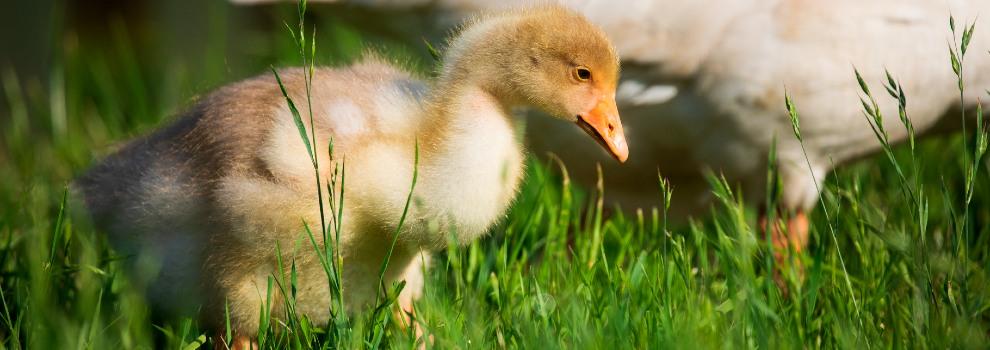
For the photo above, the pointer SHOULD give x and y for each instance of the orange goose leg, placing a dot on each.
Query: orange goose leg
(239, 342)
(787, 238)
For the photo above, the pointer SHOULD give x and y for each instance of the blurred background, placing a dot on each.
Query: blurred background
(173, 49)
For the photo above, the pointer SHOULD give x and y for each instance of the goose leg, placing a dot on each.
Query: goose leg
(239, 342)
(789, 238)
(801, 180)
(406, 316)
(793, 238)
(415, 280)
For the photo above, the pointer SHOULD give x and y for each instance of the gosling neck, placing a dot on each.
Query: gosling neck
(470, 88)
(459, 107)
(472, 92)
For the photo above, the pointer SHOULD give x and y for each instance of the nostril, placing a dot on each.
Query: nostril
(611, 127)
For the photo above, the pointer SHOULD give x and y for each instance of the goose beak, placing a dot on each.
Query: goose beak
(602, 123)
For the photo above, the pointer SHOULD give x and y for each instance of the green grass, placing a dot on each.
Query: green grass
(900, 260)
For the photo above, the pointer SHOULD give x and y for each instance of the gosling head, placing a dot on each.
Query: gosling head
(547, 57)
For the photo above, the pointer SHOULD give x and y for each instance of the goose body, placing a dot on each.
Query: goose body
(730, 72)
(216, 194)
(236, 179)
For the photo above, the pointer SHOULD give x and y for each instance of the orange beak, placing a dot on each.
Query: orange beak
(603, 124)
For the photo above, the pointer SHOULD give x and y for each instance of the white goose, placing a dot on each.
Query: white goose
(213, 193)
(729, 62)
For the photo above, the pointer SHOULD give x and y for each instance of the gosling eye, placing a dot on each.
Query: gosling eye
(582, 74)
